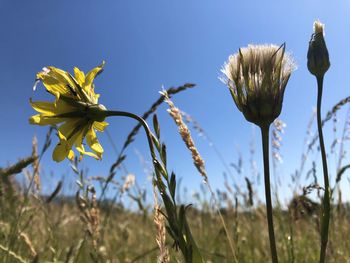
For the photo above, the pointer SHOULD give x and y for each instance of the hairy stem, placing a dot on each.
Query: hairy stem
(265, 143)
(326, 199)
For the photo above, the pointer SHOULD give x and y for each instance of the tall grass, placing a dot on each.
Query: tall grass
(60, 228)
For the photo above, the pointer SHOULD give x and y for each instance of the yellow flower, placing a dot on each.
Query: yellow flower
(76, 108)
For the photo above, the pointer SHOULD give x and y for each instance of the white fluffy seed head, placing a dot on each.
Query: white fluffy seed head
(257, 76)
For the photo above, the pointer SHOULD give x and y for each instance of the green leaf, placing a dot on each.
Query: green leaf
(155, 142)
(172, 186)
(156, 126)
(163, 154)
(159, 167)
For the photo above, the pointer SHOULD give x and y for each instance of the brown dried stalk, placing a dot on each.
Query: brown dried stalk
(90, 215)
(159, 220)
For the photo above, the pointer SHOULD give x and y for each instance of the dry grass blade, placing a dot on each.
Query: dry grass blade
(17, 167)
(329, 115)
(29, 244)
(13, 254)
(55, 192)
(159, 221)
(36, 166)
(341, 172)
(277, 131)
(90, 215)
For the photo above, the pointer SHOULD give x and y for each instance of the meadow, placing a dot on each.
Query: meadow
(110, 218)
(83, 227)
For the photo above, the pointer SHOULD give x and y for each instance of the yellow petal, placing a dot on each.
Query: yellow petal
(65, 107)
(93, 142)
(61, 151)
(71, 83)
(70, 155)
(80, 147)
(100, 125)
(92, 74)
(88, 85)
(82, 151)
(51, 109)
(77, 135)
(66, 129)
(81, 136)
(79, 76)
(64, 147)
(44, 107)
(40, 119)
(54, 86)
(62, 76)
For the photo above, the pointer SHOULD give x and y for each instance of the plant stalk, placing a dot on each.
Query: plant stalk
(194, 256)
(142, 122)
(269, 211)
(326, 199)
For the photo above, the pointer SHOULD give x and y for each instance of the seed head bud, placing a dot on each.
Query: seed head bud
(257, 76)
(317, 55)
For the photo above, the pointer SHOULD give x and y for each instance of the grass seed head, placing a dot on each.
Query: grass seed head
(185, 134)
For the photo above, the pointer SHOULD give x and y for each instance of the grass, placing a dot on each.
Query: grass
(57, 234)
(85, 228)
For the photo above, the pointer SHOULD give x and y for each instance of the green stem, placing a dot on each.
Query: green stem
(142, 122)
(265, 143)
(326, 199)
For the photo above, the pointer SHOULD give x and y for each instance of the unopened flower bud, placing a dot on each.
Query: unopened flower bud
(317, 55)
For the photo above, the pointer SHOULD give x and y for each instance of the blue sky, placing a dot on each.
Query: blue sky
(148, 44)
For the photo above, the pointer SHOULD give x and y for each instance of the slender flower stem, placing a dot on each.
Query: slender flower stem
(265, 143)
(142, 122)
(326, 199)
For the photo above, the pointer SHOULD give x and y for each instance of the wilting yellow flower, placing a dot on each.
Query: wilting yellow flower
(76, 108)
(257, 76)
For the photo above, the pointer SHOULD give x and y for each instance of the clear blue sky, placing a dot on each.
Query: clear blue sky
(147, 44)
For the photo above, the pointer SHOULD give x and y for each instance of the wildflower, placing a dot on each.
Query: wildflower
(76, 108)
(317, 55)
(257, 76)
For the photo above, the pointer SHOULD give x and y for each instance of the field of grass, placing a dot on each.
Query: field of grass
(230, 225)
(33, 230)
(87, 228)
